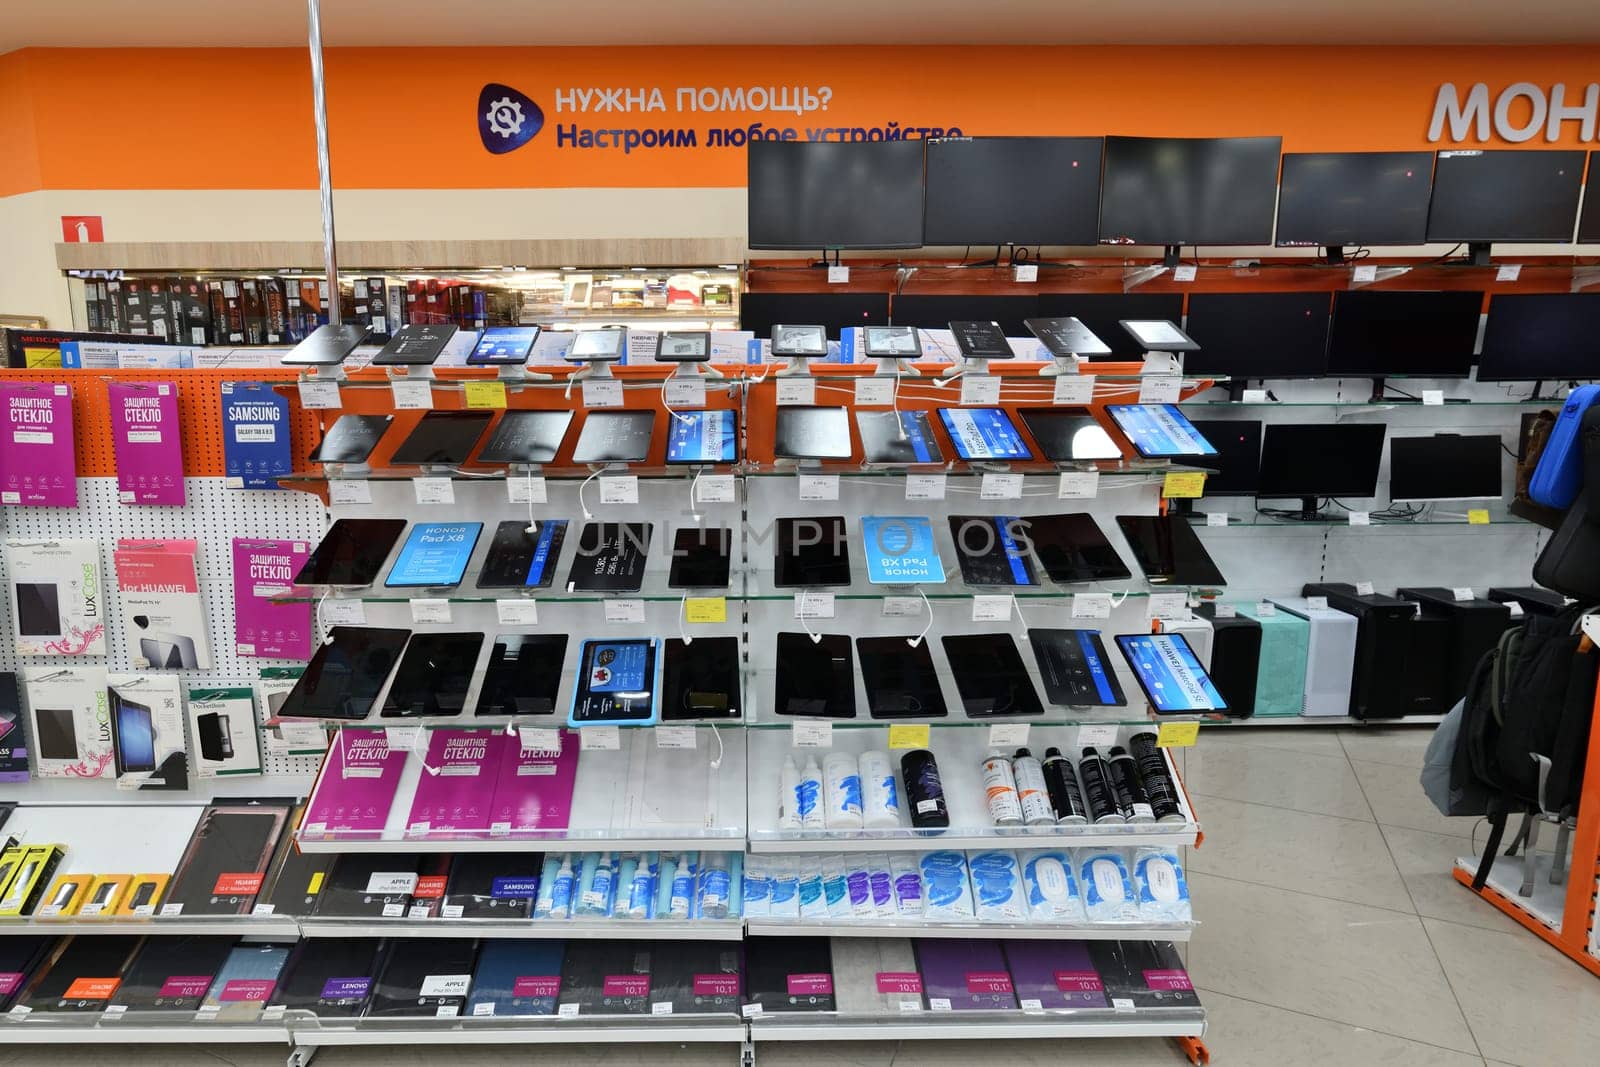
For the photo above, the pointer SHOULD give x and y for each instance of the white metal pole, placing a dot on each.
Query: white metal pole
(324, 175)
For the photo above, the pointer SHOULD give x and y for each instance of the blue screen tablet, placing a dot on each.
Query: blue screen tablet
(1169, 673)
(983, 433)
(1159, 431)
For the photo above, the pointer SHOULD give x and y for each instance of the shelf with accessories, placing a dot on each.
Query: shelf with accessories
(579, 928)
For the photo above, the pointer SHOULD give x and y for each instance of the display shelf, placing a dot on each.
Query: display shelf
(923, 1025)
(622, 840)
(1546, 904)
(526, 929)
(42, 1029)
(1169, 835)
(266, 927)
(1243, 520)
(522, 1030)
(1385, 405)
(926, 928)
(335, 472)
(1322, 720)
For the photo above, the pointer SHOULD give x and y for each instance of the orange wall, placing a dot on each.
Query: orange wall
(405, 118)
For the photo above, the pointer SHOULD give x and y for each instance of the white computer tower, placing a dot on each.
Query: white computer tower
(1330, 656)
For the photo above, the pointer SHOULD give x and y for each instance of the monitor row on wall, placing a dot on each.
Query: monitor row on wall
(1350, 333)
(1165, 191)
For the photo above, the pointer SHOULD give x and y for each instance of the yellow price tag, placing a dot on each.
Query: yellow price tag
(1177, 734)
(315, 885)
(909, 735)
(1478, 517)
(1181, 485)
(486, 394)
(706, 609)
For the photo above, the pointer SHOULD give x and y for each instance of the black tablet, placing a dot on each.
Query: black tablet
(504, 346)
(982, 340)
(614, 437)
(1073, 548)
(1075, 669)
(811, 551)
(700, 679)
(327, 345)
(442, 437)
(990, 675)
(434, 675)
(1168, 550)
(351, 439)
(701, 558)
(610, 558)
(526, 437)
(524, 675)
(900, 679)
(1068, 435)
(415, 345)
(815, 678)
(351, 553)
(345, 675)
(805, 432)
(992, 550)
(518, 559)
(897, 437)
(683, 346)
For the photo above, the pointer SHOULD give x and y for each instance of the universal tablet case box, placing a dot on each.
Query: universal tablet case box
(38, 464)
(172, 973)
(256, 446)
(22, 957)
(606, 977)
(516, 978)
(1150, 973)
(164, 617)
(30, 879)
(698, 978)
(147, 442)
(876, 976)
(533, 790)
(900, 550)
(71, 722)
(789, 973)
(618, 682)
(970, 975)
(263, 627)
(13, 738)
(329, 977)
(486, 885)
(147, 735)
(356, 786)
(57, 604)
(458, 797)
(1054, 974)
(223, 723)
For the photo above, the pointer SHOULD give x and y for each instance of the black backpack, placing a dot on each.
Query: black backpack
(1525, 723)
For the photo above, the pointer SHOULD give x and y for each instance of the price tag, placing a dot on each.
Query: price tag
(1032, 1006)
(1364, 589)
(1255, 396)
(838, 275)
(1266, 609)
(1216, 518)
(349, 491)
(1184, 272)
(1183, 485)
(715, 489)
(602, 393)
(1177, 734)
(22, 1011)
(412, 396)
(516, 612)
(1478, 517)
(908, 735)
(485, 394)
(684, 392)
(1462, 592)
(1360, 518)
(432, 609)
(705, 609)
(169, 910)
(819, 487)
(113, 1012)
(525, 490)
(1025, 272)
(1226, 611)
(812, 604)
(418, 911)
(1368, 273)
(1008, 735)
(570, 1011)
(874, 392)
(619, 489)
(991, 608)
(624, 611)
(320, 396)
(1122, 1005)
(1078, 485)
(272, 1012)
(263, 910)
(938, 1003)
(1091, 606)
(539, 738)
(1169, 605)
(979, 390)
(1433, 398)
(813, 735)
(1097, 735)
(344, 612)
(1075, 390)
(902, 606)
(1160, 388)
(661, 1007)
(1514, 608)
(1510, 272)
(434, 490)
(796, 390)
(600, 738)
(997, 486)
(401, 738)
(675, 737)
(746, 1010)
(1317, 603)
(925, 486)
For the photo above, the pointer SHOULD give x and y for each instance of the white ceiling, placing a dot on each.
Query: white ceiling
(225, 23)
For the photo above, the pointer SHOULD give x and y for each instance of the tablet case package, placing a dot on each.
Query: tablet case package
(172, 973)
(21, 957)
(225, 863)
(697, 978)
(261, 626)
(492, 885)
(256, 447)
(515, 978)
(38, 464)
(959, 975)
(329, 978)
(223, 725)
(13, 738)
(1052, 975)
(876, 976)
(143, 895)
(31, 874)
(163, 615)
(65, 896)
(1149, 973)
(71, 722)
(57, 604)
(356, 786)
(147, 737)
(106, 894)
(247, 978)
(455, 791)
(82, 976)
(425, 977)
(606, 978)
(147, 442)
(370, 885)
(533, 790)
(289, 738)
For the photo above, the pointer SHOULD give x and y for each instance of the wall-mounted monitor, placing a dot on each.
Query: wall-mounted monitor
(1528, 195)
(1541, 336)
(1189, 190)
(1259, 335)
(1013, 190)
(1328, 199)
(1379, 332)
(829, 194)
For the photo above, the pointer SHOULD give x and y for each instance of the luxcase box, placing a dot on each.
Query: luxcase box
(57, 602)
(71, 721)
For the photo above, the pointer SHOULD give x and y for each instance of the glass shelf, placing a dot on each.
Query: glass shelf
(1373, 405)
(1238, 520)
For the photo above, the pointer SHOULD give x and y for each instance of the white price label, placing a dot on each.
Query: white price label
(1266, 609)
(434, 490)
(113, 1012)
(1216, 518)
(747, 1010)
(1509, 272)
(1515, 608)
(1226, 611)
(675, 736)
(838, 275)
(412, 396)
(516, 612)
(567, 1011)
(539, 738)
(600, 738)
(684, 393)
(273, 1011)
(1097, 735)
(661, 1007)
(320, 396)
(1255, 396)
(1360, 518)
(1364, 589)
(1024, 273)
(1008, 735)
(483, 1007)
(991, 608)
(624, 611)
(1076, 390)
(980, 390)
(1169, 605)
(813, 604)
(938, 1003)
(525, 490)
(1184, 272)
(263, 910)
(1433, 398)
(349, 491)
(925, 486)
(998, 486)
(1078, 485)
(344, 612)
(430, 609)
(1091, 606)
(1317, 603)
(1032, 1006)
(169, 910)
(715, 489)
(874, 392)
(1368, 273)
(619, 489)
(796, 390)
(602, 393)
(1160, 388)
(901, 606)
(813, 735)
(402, 738)
(1122, 1005)
(418, 911)
(1462, 592)
(819, 486)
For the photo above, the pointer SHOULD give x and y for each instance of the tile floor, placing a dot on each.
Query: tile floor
(1331, 932)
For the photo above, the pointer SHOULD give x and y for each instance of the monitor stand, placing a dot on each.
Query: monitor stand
(1309, 512)
(1183, 505)
(1236, 389)
(1478, 253)
(1335, 255)
(1172, 256)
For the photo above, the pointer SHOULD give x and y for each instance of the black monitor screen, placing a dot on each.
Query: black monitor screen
(1354, 198)
(1102, 313)
(1507, 195)
(1189, 190)
(1589, 221)
(1530, 336)
(1423, 334)
(1013, 190)
(1236, 467)
(938, 312)
(827, 194)
(760, 312)
(1258, 335)
(1320, 459)
(1445, 467)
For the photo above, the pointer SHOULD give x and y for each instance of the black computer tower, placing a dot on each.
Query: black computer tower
(1534, 600)
(1235, 659)
(1475, 628)
(1379, 686)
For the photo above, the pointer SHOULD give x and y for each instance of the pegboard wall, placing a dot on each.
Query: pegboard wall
(213, 516)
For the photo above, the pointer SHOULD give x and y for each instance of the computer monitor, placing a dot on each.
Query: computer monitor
(1589, 221)
(1316, 460)
(1189, 190)
(1103, 313)
(1446, 466)
(760, 312)
(830, 194)
(1534, 336)
(1380, 332)
(1013, 191)
(1330, 199)
(1258, 335)
(1528, 195)
(929, 312)
(1235, 470)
